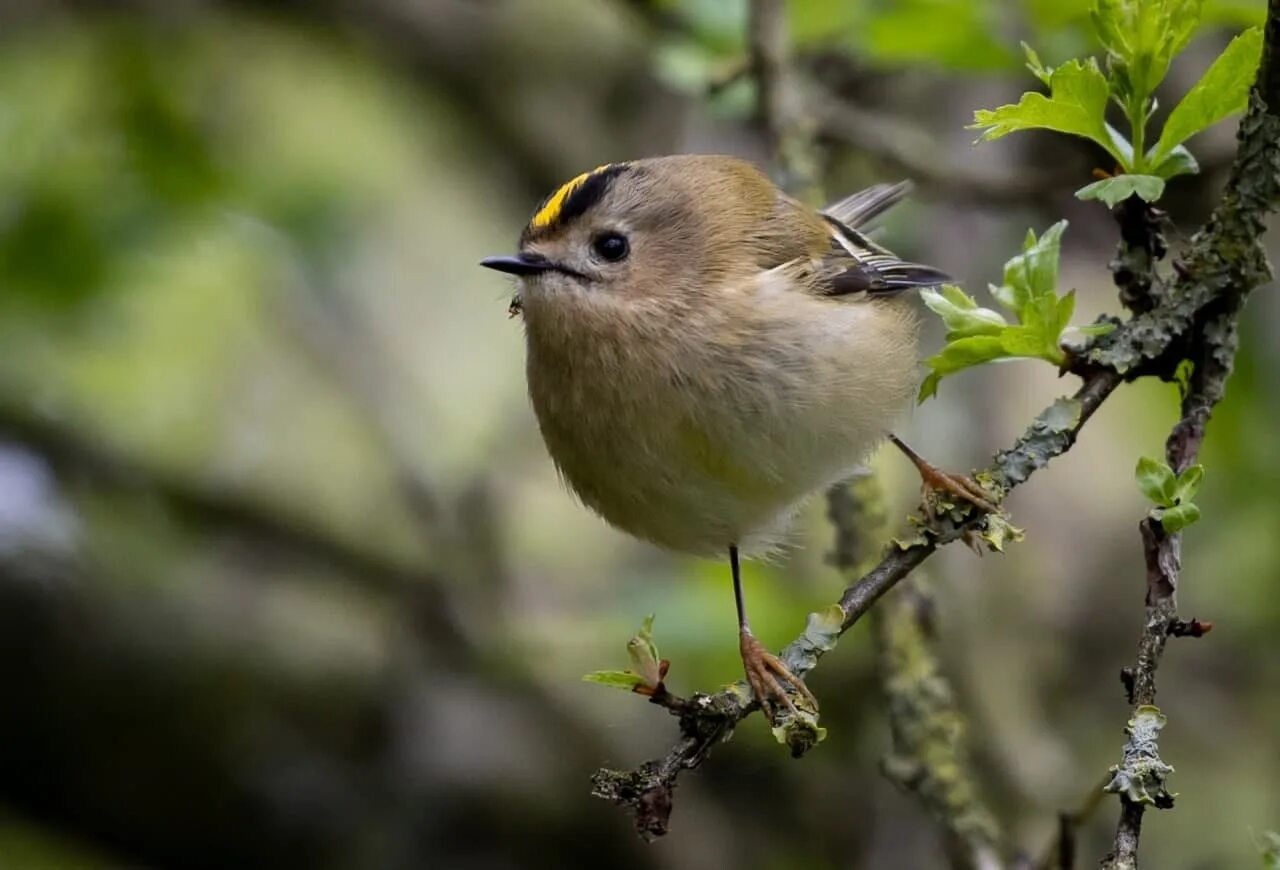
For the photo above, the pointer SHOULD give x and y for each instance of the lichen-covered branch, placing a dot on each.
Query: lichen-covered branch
(1226, 262)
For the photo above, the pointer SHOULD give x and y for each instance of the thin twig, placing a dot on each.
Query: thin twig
(1237, 264)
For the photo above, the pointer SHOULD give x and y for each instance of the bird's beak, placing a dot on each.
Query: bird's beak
(520, 264)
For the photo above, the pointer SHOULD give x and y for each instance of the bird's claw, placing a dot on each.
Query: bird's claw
(764, 671)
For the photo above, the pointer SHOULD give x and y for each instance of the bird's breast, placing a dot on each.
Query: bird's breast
(700, 431)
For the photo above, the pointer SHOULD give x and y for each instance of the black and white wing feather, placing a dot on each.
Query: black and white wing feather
(855, 263)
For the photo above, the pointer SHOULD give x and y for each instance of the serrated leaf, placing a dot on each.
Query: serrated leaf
(1035, 270)
(1038, 69)
(960, 312)
(1188, 484)
(624, 680)
(1175, 519)
(1076, 105)
(1120, 187)
(1223, 90)
(979, 335)
(1141, 38)
(1156, 480)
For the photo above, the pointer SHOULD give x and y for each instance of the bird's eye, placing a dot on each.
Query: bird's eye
(611, 246)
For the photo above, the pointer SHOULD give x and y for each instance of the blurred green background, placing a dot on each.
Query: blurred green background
(286, 577)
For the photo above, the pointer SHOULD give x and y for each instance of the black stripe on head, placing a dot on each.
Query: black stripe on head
(573, 199)
(590, 192)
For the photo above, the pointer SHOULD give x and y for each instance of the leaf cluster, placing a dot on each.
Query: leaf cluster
(1171, 493)
(647, 667)
(1140, 39)
(1041, 317)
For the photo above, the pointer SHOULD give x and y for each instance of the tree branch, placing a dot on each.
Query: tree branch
(1229, 262)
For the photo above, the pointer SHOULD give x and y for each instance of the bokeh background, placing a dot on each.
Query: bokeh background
(286, 577)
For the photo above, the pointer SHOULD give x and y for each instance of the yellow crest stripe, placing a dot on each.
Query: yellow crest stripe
(547, 215)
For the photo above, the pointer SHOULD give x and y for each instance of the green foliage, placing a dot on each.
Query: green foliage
(647, 668)
(1171, 493)
(1222, 91)
(1076, 104)
(1140, 38)
(978, 335)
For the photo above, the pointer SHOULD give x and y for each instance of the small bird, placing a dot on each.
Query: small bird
(705, 352)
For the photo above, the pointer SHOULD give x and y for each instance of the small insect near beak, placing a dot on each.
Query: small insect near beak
(520, 264)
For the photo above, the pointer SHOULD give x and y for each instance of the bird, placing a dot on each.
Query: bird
(704, 353)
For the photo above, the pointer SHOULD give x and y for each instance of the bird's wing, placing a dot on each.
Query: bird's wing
(855, 264)
(858, 210)
(825, 254)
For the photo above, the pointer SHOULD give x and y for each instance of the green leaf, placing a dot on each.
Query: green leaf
(979, 335)
(1031, 342)
(1223, 90)
(1033, 274)
(624, 680)
(1156, 480)
(1076, 104)
(1141, 38)
(1188, 484)
(648, 666)
(961, 314)
(1066, 307)
(1038, 69)
(644, 654)
(1177, 162)
(1121, 187)
(1175, 519)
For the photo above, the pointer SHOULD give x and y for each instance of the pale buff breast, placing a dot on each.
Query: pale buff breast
(692, 434)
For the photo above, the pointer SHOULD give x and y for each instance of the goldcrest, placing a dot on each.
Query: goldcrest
(705, 352)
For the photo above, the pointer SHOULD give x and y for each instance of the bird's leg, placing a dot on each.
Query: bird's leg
(762, 667)
(934, 479)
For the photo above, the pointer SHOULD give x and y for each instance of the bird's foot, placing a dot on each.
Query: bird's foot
(764, 671)
(962, 486)
(935, 480)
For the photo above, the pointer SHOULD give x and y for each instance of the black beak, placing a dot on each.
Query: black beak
(520, 264)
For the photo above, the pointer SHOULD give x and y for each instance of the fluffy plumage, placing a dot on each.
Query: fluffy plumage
(746, 352)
